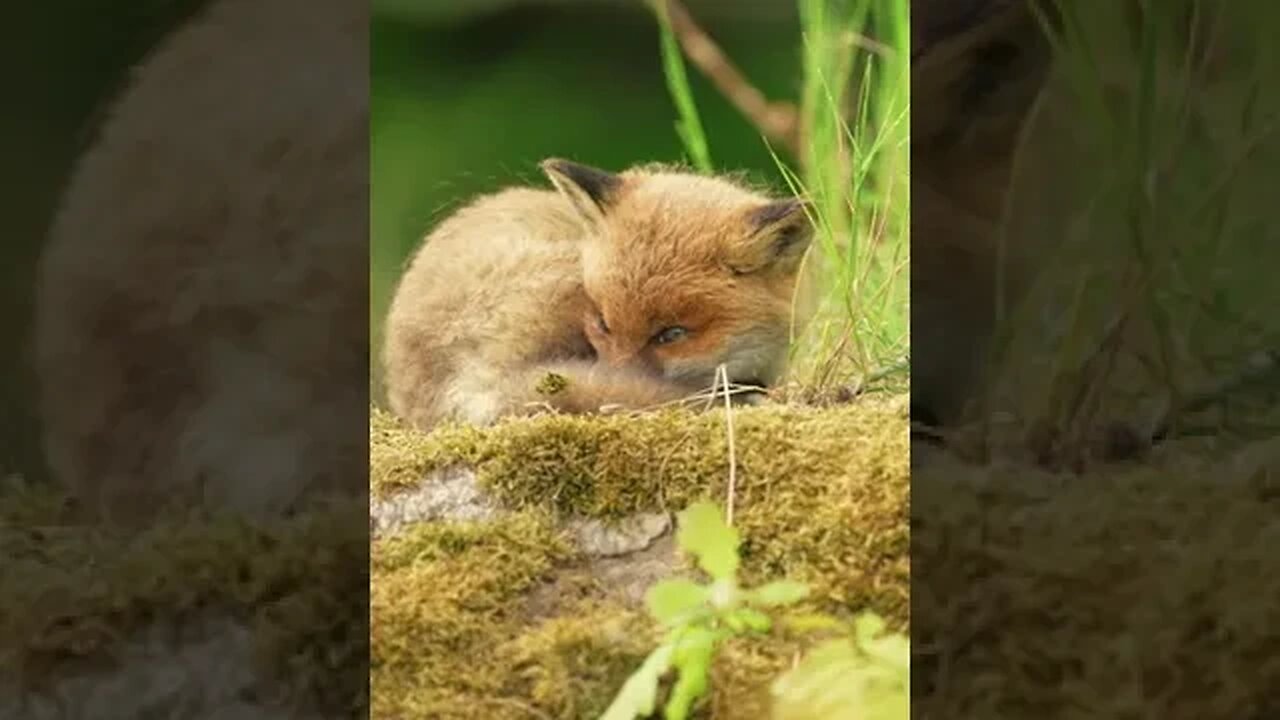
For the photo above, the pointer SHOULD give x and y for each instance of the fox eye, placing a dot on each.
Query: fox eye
(670, 335)
(601, 325)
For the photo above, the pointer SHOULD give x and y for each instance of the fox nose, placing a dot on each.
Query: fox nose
(621, 360)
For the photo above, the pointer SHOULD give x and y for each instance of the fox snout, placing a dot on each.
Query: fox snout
(644, 361)
(622, 359)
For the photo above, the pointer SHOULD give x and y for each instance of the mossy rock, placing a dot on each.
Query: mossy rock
(198, 617)
(502, 617)
(509, 616)
(1147, 589)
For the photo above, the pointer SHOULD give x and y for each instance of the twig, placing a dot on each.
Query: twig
(708, 395)
(869, 44)
(779, 121)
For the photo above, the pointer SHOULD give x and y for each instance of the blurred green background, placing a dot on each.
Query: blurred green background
(466, 98)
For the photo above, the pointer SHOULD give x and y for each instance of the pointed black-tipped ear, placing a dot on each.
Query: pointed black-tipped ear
(778, 234)
(591, 190)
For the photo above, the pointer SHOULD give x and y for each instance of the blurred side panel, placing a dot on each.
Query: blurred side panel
(184, 518)
(1095, 370)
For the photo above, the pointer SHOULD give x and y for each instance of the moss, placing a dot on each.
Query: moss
(459, 628)
(487, 657)
(71, 590)
(571, 665)
(399, 459)
(443, 599)
(821, 495)
(552, 383)
(1143, 590)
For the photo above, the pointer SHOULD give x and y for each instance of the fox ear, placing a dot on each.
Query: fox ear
(778, 234)
(591, 190)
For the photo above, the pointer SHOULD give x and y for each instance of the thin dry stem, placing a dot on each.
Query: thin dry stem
(869, 44)
(722, 374)
(779, 121)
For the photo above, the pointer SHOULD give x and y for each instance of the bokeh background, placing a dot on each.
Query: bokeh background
(467, 96)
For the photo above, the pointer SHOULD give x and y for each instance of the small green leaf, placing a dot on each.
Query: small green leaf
(671, 601)
(735, 622)
(889, 650)
(868, 625)
(743, 619)
(809, 622)
(836, 679)
(755, 620)
(685, 693)
(704, 533)
(781, 592)
(694, 645)
(639, 694)
(693, 655)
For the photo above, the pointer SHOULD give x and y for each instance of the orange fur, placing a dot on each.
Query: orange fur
(580, 282)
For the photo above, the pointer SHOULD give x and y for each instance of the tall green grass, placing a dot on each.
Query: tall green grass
(689, 124)
(852, 315)
(1145, 188)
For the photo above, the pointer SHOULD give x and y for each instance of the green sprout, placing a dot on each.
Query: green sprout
(698, 618)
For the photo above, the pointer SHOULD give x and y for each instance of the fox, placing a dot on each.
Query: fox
(607, 291)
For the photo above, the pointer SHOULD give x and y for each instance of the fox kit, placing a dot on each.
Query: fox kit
(629, 288)
(200, 318)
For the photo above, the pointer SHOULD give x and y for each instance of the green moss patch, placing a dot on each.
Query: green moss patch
(452, 635)
(461, 627)
(442, 599)
(455, 634)
(821, 494)
(71, 591)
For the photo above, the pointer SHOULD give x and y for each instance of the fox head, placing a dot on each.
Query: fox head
(685, 272)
